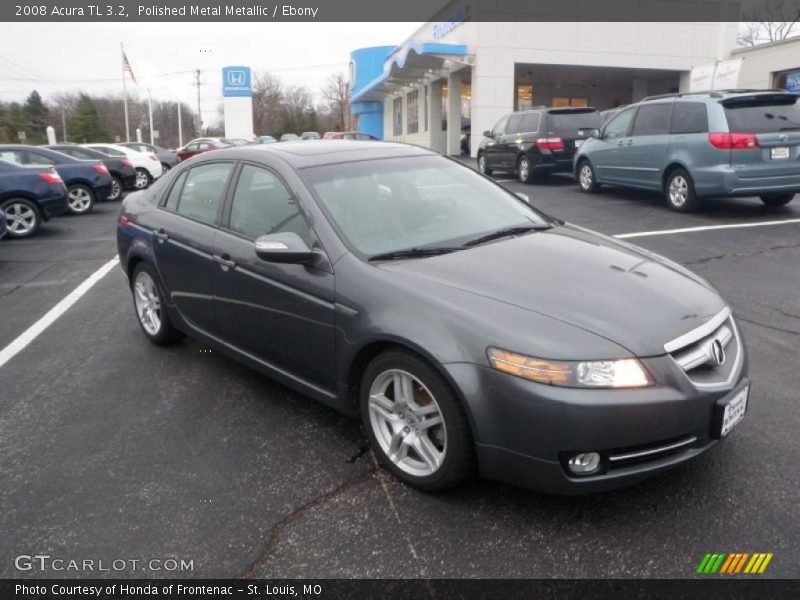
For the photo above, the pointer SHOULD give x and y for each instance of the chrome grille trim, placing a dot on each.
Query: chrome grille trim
(698, 333)
(700, 355)
(652, 451)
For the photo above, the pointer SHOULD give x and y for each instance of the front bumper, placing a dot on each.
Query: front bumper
(524, 430)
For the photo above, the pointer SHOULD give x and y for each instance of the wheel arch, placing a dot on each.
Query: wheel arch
(671, 167)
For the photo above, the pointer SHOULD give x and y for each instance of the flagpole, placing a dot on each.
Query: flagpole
(125, 94)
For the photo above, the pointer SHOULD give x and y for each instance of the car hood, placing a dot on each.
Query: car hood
(625, 294)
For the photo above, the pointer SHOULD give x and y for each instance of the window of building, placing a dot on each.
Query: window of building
(562, 101)
(789, 81)
(524, 96)
(412, 110)
(445, 95)
(262, 205)
(689, 117)
(204, 192)
(652, 119)
(397, 116)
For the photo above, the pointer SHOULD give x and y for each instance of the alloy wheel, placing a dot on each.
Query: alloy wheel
(148, 303)
(116, 189)
(407, 422)
(482, 163)
(678, 190)
(20, 218)
(586, 177)
(80, 200)
(524, 169)
(142, 179)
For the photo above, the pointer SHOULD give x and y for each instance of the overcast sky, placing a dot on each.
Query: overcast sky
(51, 57)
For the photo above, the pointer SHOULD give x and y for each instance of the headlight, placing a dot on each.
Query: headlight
(623, 373)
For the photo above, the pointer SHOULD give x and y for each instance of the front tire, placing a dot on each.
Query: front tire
(164, 168)
(415, 424)
(524, 170)
(482, 166)
(679, 191)
(116, 189)
(586, 179)
(23, 217)
(776, 200)
(148, 301)
(143, 179)
(80, 199)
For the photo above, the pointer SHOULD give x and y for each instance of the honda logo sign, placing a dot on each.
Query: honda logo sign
(236, 82)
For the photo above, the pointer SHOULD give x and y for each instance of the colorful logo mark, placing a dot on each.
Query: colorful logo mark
(734, 563)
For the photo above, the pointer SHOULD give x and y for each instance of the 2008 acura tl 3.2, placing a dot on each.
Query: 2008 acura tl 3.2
(467, 329)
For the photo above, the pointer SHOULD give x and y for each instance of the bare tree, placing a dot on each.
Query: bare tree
(267, 103)
(771, 21)
(336, 93)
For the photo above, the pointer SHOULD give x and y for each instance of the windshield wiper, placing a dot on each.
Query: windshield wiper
(507, 232)
(415, 252)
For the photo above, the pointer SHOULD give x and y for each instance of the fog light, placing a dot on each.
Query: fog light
(584, 463)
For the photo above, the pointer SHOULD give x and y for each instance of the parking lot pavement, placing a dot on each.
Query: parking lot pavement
(113, 448)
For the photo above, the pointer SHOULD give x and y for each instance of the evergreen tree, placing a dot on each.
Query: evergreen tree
(36, 114)
(14, 121)
(86, 126)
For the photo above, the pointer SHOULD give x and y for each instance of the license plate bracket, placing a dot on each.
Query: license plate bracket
(729, 411)
(779, 153)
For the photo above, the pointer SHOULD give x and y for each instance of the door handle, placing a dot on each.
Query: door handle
(224, 260)
(161, 235)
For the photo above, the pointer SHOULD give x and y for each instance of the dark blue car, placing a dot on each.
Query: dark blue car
(29, 196)
(87, 182)
(2, 224)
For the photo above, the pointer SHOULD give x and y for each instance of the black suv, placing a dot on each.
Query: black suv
(537, 141)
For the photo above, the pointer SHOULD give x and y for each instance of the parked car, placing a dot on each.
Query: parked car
(309, 135)
(239, 142)
(608, 113)
(147, 166)
(201, 145)
(29, 196)
(168, 158)
(289, 137)
(2, 224)
(87, 182)
(123, 175)
(693, 146)
(468, 329)
(348, 135)
(535, 142)
(266, 139)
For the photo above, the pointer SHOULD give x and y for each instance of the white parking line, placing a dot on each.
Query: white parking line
(703, 228)
(32, 332)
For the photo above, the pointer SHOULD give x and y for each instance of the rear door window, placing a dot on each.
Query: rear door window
(513, 124)
(530, 123)
(763, 116)
(652, 119)
(689, 117)
(38, 159)
(204, 192)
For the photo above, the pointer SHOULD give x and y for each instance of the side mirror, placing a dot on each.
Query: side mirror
(523, 197)
(595, 133)
(487, 133)
(285, 248)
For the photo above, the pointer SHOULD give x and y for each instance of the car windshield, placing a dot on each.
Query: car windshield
(388, 205)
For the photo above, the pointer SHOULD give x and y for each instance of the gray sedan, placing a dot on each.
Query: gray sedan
(470, 332)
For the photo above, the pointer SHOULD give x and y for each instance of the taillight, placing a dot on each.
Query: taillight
(126, 163)
(100, 168)
(153, 157)
(553, 143)
(733, 141)
(124, 221)
(51, 177)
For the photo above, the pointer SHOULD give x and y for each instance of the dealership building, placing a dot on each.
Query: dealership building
(459, 74)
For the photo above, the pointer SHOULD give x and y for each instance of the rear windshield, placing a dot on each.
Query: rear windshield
(573, 121)
(764, 117)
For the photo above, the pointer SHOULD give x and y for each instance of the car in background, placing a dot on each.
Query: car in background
(30, 196)
(696, 145)
(239, 142)
(87, 181)
(168, 158)
(266, 139)
(290, 137)
(537, 141)
(348, 135)
(200, 145)
(147, 166)
(574, 363)
(123, 175)
(610, 112)
(309, 135)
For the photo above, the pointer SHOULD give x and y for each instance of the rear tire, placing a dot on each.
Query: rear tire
(143, 179)
(80, 199)
(679, 191)
(587, 183)
(415, 424)
(116, 189)
(148, 302)
(23, 217)
(482, 166)
(524, 169)
(776, 200)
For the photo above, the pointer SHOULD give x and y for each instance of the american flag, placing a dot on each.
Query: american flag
(126, 66)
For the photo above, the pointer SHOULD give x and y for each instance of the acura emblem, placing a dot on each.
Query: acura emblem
(717, 353)
(783, 137)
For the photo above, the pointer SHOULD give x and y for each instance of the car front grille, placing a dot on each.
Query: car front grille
(711, 355)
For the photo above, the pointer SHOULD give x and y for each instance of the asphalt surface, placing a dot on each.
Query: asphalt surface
(112, 448)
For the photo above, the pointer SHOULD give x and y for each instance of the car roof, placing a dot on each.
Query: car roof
(302, 154)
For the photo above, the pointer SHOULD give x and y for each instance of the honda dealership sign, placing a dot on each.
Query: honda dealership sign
(722, 75)
(236, 82)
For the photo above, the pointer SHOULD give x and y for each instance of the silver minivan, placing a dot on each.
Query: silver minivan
(693, 146)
